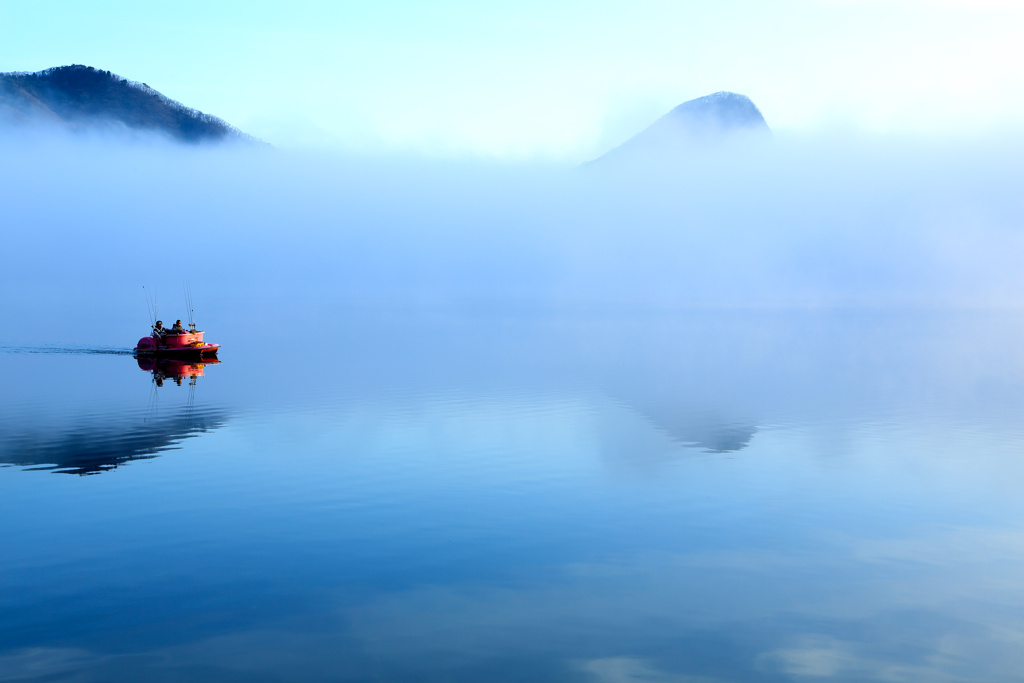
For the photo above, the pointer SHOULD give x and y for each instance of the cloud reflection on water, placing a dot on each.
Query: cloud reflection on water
(702, 616)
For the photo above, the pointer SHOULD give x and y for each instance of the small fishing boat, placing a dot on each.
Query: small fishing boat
(188, 344)
(176, 342)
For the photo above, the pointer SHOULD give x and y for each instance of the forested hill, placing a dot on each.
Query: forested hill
(83, 96)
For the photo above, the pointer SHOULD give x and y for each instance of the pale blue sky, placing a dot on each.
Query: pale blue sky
(542, 79)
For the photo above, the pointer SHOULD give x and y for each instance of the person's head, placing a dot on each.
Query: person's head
(159, 323)
(178, 323)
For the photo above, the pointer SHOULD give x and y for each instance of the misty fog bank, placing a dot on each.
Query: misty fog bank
(824, 222)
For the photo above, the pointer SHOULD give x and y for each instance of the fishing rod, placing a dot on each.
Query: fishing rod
(190, 310)
(150, 305)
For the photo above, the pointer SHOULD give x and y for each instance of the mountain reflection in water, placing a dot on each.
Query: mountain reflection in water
(79, 448)
(91, 444)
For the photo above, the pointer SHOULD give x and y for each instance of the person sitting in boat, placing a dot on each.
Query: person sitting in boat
(177, 329)
(159, 331)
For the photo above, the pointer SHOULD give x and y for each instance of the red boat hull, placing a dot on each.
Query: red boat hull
(188, 344)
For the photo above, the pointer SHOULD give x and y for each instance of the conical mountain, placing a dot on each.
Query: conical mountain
(694, 125)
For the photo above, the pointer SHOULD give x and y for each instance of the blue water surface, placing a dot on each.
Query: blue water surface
(599, 496)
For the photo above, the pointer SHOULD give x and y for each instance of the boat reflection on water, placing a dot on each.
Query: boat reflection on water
(175, 370)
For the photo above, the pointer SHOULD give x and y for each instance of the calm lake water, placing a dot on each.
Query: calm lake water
(602, 496)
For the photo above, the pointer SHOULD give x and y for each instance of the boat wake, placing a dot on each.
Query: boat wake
(62, 349)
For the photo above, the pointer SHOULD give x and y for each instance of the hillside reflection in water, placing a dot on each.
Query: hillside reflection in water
(714, 496)
(66, 440)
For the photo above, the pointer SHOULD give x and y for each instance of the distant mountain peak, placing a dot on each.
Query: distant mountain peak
(79, 95)
(701, 122)
(725, 110)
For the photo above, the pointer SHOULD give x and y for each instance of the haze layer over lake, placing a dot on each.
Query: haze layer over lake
(750, 415)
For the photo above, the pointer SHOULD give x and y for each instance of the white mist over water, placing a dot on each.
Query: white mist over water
(829, 222)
